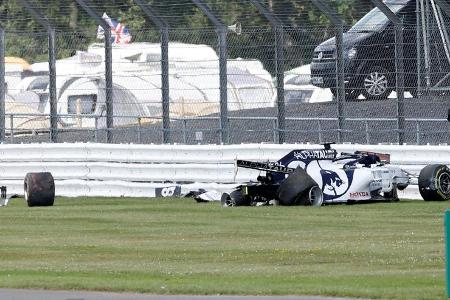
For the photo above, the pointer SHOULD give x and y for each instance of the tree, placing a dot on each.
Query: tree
(305, 25)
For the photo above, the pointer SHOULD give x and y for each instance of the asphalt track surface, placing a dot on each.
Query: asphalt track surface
(16, 294)
(251, 130)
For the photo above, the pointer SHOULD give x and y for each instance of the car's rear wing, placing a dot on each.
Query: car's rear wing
(267, 166)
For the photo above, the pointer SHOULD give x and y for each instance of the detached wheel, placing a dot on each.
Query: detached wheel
(377, 83)
(39, 189)
(434, 183)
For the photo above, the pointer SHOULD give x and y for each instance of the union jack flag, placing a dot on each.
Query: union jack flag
(119, 31)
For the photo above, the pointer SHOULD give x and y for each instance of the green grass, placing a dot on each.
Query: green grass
(176, 246)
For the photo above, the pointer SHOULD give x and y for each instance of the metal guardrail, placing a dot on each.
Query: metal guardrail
(139, 125)
(90, 169)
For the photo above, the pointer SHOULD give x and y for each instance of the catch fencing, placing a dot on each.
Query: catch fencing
(106, 170)
(384, 80)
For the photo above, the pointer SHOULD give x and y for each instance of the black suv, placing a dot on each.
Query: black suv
(369, 55)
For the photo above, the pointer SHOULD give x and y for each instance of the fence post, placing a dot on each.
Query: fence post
(96, 129)
(319, 128)
(444, 5)
(164, 28)
(108, 68)
(11, 124)
(184, 130)
(2, 85)
(399, 67)
(52, 84)
(417, 133)
(279, 67)
(222, 31)
(339, 24)
(165, 84)
(275, 130)
(367, 132)
(37, 14)
(139, 129)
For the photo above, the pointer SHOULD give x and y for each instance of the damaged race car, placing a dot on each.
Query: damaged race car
(321, 176)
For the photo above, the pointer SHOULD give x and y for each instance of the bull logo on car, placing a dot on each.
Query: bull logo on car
(334, 181)
(331, 181)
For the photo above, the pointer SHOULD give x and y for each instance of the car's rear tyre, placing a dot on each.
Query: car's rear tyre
(434, 183)
(294, 189)
(235, 198)
(377, 83)
(39, 189)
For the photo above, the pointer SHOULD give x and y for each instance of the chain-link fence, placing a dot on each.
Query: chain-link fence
(383, 80)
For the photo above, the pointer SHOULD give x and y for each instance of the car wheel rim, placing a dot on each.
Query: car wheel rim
(444, 183)
(315, 196)
(376, 84)
(227, 201)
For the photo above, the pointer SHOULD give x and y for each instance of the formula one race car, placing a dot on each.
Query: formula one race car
(321, 176)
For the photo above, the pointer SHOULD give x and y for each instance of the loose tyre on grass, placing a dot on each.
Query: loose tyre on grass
(39, 189)
(434, 183)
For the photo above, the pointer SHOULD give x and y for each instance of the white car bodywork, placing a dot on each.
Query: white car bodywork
(341, 183)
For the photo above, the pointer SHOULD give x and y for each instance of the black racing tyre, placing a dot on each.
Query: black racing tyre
(235, 198)
(377, 83)
(225, 200)
(239, 199)
(39, 189)
(294, 189)
(434, 183)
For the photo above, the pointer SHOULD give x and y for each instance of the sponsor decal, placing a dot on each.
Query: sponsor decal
(359, 195)
(278, 167)
(315, 154)
(168, 191)
(331, 181)
(269, 166)
(334, 181)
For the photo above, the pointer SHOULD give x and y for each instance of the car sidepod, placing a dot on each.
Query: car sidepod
(356, 183)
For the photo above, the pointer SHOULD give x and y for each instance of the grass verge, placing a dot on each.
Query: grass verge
(176, 246)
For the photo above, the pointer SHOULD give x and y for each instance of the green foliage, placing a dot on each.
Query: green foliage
(78, 29)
